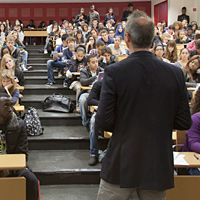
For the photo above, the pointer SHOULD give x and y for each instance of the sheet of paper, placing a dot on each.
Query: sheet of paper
(179, 159)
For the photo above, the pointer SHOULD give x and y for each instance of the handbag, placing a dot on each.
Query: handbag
(58, 103)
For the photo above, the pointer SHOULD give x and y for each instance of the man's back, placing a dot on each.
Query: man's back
(147, 99)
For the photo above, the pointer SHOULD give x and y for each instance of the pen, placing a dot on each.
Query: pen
(196, 156)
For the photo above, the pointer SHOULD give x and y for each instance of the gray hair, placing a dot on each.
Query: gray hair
(140, 28)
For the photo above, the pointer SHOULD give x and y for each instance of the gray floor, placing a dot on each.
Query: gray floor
(69, 192)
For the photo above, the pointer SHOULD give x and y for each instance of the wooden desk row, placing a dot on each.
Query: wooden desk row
(13, 187)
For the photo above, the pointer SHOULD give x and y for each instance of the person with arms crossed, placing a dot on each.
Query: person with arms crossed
(141, 107)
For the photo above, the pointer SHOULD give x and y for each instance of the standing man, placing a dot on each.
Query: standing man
(92, 15)
(141, 107)
(110, 16)
(128, 12)
(183, 16)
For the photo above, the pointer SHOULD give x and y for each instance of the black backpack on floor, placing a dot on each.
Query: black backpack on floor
(33, 123)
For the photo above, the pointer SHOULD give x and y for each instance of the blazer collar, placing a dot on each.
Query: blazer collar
(140, 53)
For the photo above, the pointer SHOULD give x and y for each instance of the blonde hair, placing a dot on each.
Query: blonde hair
(3, 62)
(7, 74)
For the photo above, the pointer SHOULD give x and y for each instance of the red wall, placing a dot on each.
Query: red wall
(161, 12)
(57, 11)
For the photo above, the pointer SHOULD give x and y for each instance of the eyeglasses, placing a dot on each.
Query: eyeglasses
(159, 49)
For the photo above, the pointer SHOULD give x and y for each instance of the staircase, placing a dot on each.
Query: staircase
(59, 157)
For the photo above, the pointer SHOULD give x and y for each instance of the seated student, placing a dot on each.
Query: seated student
(57, 62)
(107, 58)
(5, 50)
(76, 65)
(84, 28)
(3, 31)
(95, 24)
(159, 52)
(8, 62)
(165, 39)
(183, 58)
(68, 53)
(79, 38)
(52, 30)
(171, 31)
(10, 42)
(191, 70)
(97, 51)
(90, 43)
(22, 52)
(87, 76)
(171, 51)
(178, 26)
(112, 33)
(190, 34)
(191, 45)
(93, 100)
(119, 31)
(182, 38)
(105, 38)
(197, 50)
(14, 137)
(101, 27)
(116, 48)
(95, 33)
(192, 139)
(59, 38)
(8, 82)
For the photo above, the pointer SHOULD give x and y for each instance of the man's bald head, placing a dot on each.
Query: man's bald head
(140, 29)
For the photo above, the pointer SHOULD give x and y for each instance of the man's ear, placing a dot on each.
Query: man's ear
(127, 39)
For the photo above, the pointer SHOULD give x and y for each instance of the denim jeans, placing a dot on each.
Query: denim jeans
(25, 57)
(93, 137)
(84, 108)
(50, 65)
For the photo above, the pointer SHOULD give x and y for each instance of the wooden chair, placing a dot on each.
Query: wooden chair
(186, 188)
(179, 47)
(17, 106)
(13, 188)
(180, 139)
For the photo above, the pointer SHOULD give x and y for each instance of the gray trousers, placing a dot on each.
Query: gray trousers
(109, 191)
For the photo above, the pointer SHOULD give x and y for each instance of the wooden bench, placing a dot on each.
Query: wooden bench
(13, 187)
(122, 57)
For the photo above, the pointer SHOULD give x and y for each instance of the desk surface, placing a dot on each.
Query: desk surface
(190, 159)
(86, 87)
(12, 161)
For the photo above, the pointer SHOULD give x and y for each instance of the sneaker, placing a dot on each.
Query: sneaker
(65, 85)
(23, 68)
(60, 75)
(93, 161)
(50, 83)
(34, 44)
(45, 51)
(26, 44)
(30, 67)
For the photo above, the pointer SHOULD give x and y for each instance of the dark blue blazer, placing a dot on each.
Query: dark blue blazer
(142, 100)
